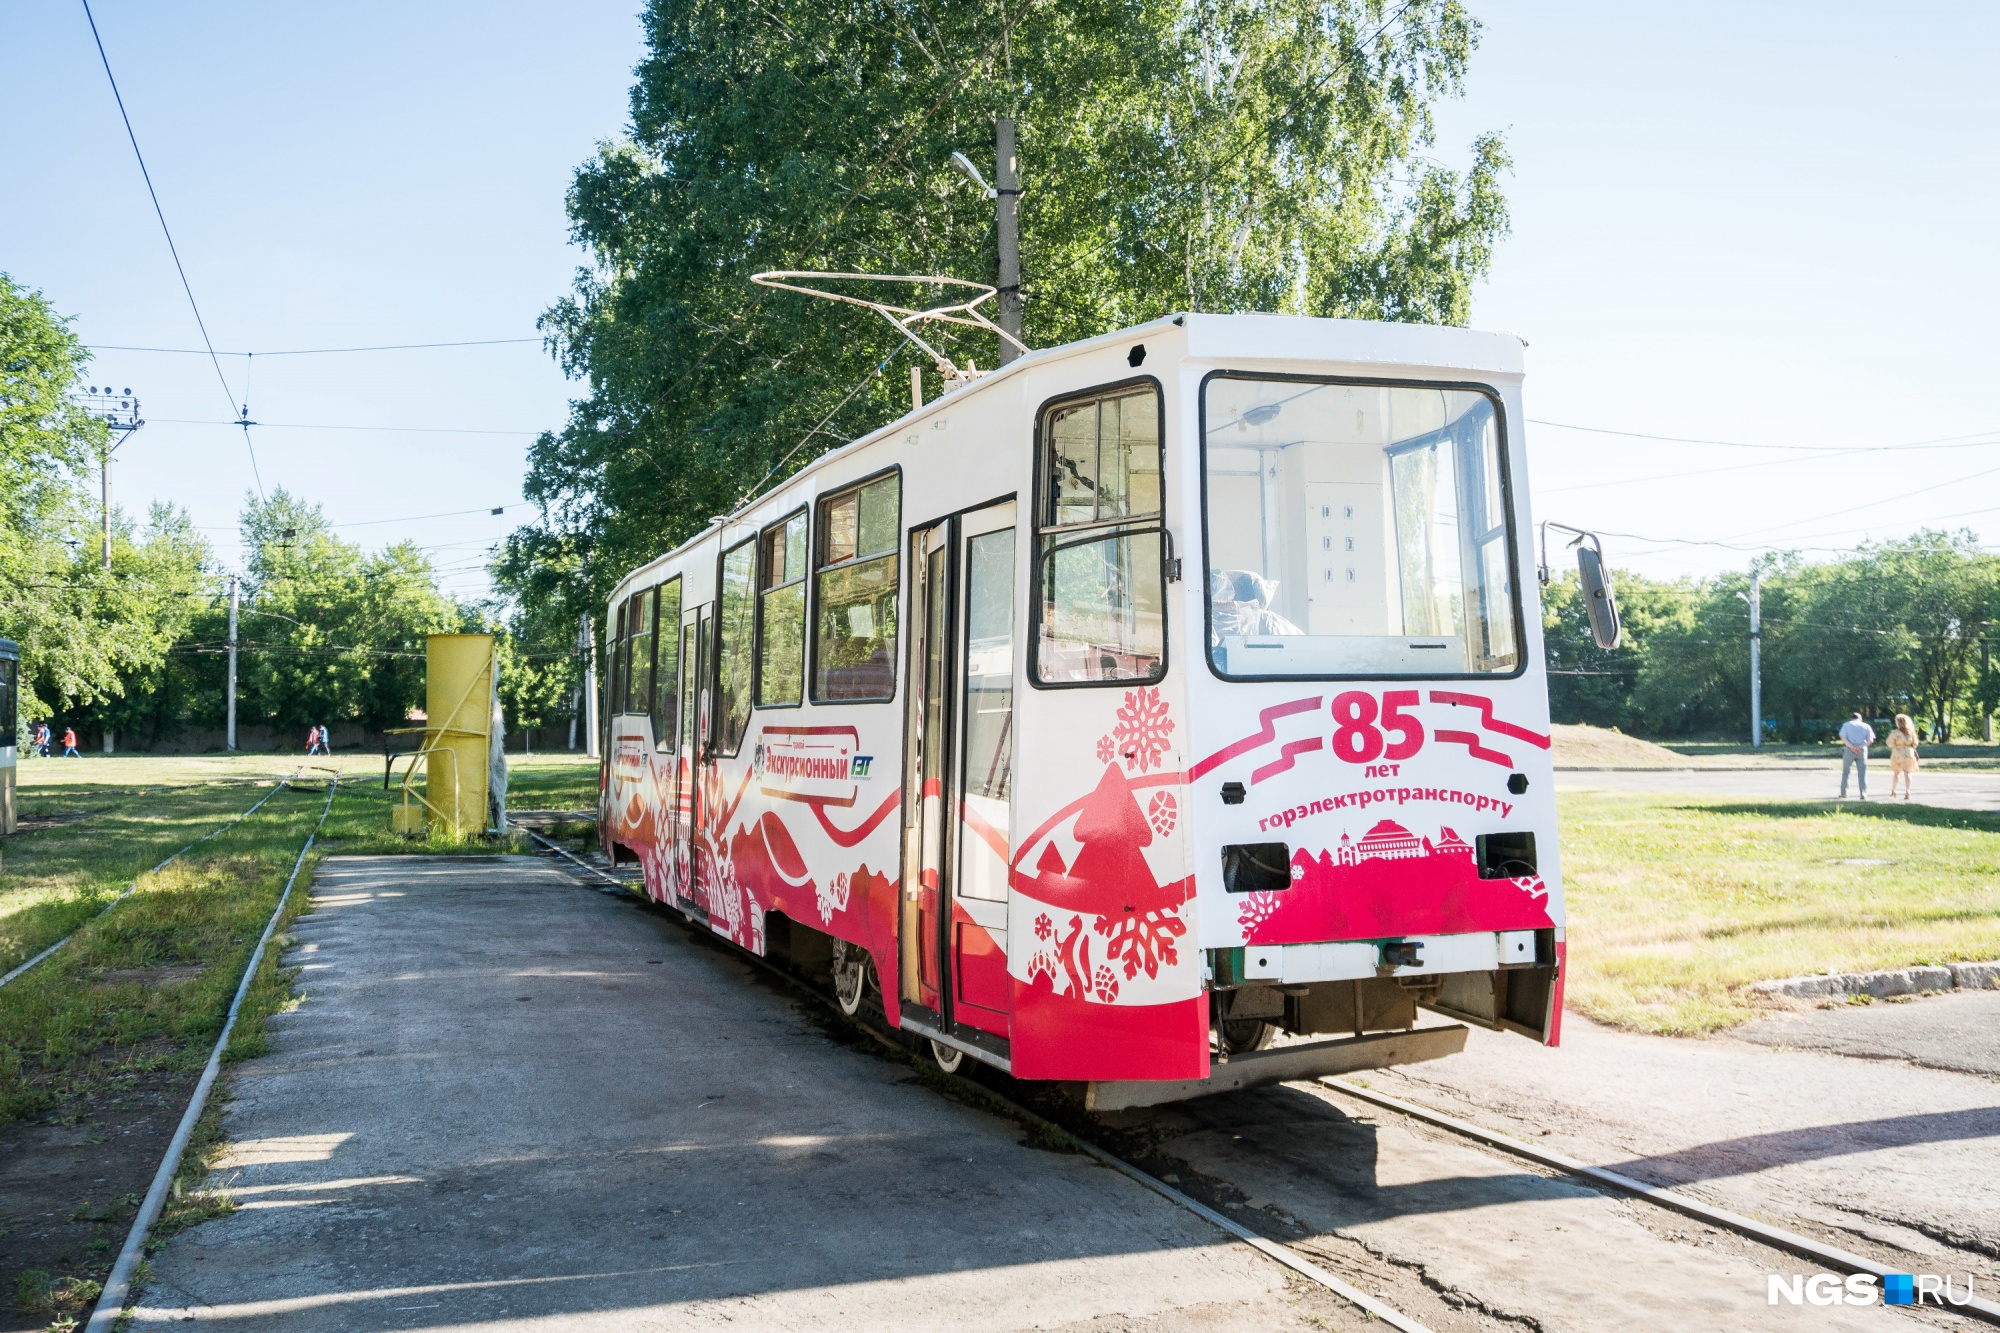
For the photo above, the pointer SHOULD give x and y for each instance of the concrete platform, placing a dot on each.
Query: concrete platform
(508, 1101)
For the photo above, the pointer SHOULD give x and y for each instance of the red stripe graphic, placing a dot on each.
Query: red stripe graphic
(849, 839)
(1491, 723)
(1263, 736)
(1292, 750)
(1471, 742)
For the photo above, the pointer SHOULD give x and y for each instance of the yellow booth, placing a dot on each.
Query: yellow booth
(465, 768)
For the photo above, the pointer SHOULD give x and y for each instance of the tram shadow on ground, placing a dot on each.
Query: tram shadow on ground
(503, 1098)
(1220, 1148)
(1336, 1157)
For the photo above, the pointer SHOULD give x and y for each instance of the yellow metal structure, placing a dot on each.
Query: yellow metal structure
(458, 706)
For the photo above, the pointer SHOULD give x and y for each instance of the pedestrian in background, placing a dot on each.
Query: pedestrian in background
(69, 743)
(1855, 738)
(42, 739)
(1902, 755)
(312, 739)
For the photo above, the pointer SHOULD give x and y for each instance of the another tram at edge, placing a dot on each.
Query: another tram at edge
(1124, 708)
(10, 725)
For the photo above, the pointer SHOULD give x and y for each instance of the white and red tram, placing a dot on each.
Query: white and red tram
(1129, 704)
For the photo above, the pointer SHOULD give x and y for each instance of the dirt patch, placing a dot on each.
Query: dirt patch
(71, 1182)
(145, 976)
(1601, 747)
(41, 819)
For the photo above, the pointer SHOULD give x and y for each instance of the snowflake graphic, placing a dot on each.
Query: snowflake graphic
(1107, 982)
(1142, 939)
(1143, 728)
(1161, 813)
(1104, 750)
(831, 898)
(1257, 908)
(1044, 927)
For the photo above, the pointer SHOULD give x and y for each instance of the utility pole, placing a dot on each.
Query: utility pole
(1007, 187)
(1986, 671)
(120, 414)
(1756, 672)
(587, 640)
(104, 488)
(232, 662)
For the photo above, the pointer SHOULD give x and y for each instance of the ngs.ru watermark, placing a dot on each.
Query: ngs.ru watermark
(1867, 1289)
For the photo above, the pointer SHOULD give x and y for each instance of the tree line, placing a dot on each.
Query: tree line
(1904, 626)
(1176, 155)
(327, 633)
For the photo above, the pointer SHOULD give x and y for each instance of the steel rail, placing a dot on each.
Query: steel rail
(133, 886)
(1777, 1237)
(1270, 1249)
(117, 1287)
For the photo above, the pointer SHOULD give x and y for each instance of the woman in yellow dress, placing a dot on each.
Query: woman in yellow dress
(1902, 755)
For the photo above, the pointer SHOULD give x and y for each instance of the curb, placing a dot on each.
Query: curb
(1885, 984)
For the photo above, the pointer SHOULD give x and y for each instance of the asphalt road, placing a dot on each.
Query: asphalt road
(1952, 789)
(1959, 1031)
(509, 1102)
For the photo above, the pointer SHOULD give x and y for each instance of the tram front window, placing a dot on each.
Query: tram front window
(1356, 530)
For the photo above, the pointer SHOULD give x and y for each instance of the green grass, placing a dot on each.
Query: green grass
(142, 989)
(1675, 904)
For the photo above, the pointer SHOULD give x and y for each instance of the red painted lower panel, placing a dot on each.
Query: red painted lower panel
(1056, 1036)
(984, 988)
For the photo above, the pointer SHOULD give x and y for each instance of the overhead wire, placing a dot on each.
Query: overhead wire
(1970, 440)
(172, 249)
(311, 425)
(316, 351)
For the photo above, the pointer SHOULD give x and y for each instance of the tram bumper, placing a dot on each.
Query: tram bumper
(1284, 1064)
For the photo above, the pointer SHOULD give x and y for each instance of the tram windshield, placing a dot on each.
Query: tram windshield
(1356, 530)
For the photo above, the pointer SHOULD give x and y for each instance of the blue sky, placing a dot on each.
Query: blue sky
(1766, 224)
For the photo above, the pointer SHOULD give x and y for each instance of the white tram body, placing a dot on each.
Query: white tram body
(1134, 701)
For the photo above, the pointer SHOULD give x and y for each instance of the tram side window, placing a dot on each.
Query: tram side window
(667, 666)
(854, 634)
(781, 613)
(1101, 582)
(639, 652)
(738, 641)
(10, 699)
(614, 679)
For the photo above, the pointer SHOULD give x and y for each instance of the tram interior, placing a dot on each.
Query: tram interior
(1355, 529)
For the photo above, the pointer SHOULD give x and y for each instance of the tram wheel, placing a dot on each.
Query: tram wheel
(1247, 1034)
(948, 1058)
(850, 977)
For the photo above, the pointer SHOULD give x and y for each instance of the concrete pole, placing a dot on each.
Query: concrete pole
(575, 707)
(1985, 667)
(1756, 672)
(232, 662)
(105, 499)
(1007, 182)
(589, 637)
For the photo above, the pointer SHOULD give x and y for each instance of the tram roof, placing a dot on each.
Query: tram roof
(1269, 340)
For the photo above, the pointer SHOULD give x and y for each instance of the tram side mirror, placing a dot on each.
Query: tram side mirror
(1599, 603)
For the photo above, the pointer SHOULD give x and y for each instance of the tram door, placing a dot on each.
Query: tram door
(959, 771)
(697, 693)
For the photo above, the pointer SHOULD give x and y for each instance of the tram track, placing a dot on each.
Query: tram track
(131, 888)
(1610, 1183)
(118, 1285)
(1282, 1254)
